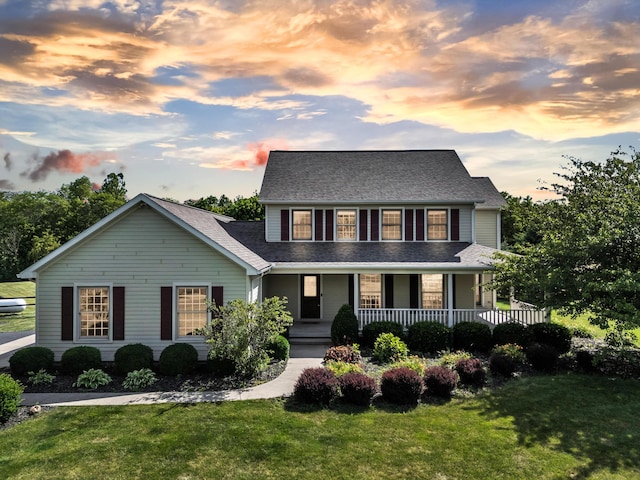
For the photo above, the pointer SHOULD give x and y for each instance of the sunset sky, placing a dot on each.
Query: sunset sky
(186, 98)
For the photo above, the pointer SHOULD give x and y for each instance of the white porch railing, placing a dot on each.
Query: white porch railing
(409, 316)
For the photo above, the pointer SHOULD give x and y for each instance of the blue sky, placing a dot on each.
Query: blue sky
(187, 97)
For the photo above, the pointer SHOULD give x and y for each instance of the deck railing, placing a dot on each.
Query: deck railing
(409, 316)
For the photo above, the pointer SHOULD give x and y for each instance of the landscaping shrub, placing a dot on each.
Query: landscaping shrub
(221, 367)
(178, 359)
(279, 348)
(619, 362)
(372, 331)
(449, 359)
(78, 359)
(139, 379)
(440, 381)
(510, 332)
(402, 386)
(388, 347)
(92, 379)
(502, 364)
(344, 328)
(542, 357)
(316, 385)
(134, 356)
(415, 363)
(428, 337)
(472, 336)
(580, 332)
(471, 372)
(31, 359)
(357, 388)
(556, 335)
(343, 353)
(41, 377)
(342, 368)
(10, 396)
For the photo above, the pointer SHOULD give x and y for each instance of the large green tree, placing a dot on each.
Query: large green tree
(588, 256)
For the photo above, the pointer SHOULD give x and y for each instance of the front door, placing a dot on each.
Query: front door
(310, 296)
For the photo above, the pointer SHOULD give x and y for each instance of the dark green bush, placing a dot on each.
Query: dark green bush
(316, 385)
(428, 337)
(553, 334)
(221, 367)
(580, 332)
(134, 356)
(178, 359)
(78, 359)
(372, 331)
(510, 332)
(357, 388)
(440, 381)
(342, 353)
(10, 396)
(31, 359)
(279, 348)
(472, 336)
(471, 372)
(402, 386)
(344, 328)
(542, 357)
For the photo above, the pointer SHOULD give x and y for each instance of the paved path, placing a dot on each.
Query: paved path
(302, 356)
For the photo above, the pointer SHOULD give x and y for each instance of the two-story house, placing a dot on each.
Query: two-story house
(399, 235)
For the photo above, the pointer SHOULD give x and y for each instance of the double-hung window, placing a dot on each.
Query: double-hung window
(346, 224)
(437, 227)
(191, 312)
(432, 291)
(370, 291)
(392, 225)
(94, 310)
(302, 226)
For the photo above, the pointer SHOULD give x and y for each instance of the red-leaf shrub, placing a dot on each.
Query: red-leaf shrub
(471, 371)
(401, 385)
(357, 388)
(440, 381)
(342, 353)
(316, 385)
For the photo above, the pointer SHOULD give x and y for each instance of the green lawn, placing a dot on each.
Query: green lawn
(544, 427)
(26, 320)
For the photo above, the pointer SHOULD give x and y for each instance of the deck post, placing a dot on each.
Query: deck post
(450, 299)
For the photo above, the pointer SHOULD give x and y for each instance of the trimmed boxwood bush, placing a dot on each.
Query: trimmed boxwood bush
(357, 388)
(78, 359)
(471, 372)
(279, 348)
(316, 385)
(344, 328)
(10, 396)
(472, 336)
(503, 364)
(134, 356)
(553, 334)
(542, 357)
(440, 381)
(31, 359)
(372, 331)
(402, 386)
(389, 347)
(428, 337)
(510, 332)
(342, 353)
(178, 359)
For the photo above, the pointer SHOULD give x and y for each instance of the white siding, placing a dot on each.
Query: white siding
(284, 286)
(465, 224)
(401, 291)
(141, 252)
(487, 228)
(465, 295)
(335, 293)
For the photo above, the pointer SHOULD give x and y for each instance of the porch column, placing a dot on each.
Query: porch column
(450, 298)
(356, 296)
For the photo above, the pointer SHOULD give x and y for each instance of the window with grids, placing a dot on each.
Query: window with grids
(437, 225)
(302, 224)
(432, 291)
(93, 306)
(370, 291)
(192, 309)
(392, 225)
(346, 224)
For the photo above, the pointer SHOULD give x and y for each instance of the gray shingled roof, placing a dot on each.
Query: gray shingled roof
(422, 176)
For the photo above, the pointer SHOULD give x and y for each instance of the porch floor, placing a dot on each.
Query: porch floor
(310, 332)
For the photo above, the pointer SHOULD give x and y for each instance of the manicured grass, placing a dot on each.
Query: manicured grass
(22, 321)
(544, 427)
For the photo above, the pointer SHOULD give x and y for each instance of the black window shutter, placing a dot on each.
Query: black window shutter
(455, 224)
(118, 313)
(363, 225)
(319, 226)
(217, 296)
(388, 291)
(351, 290)
(420, 225)
(408, 225)
(166, 313)
(66, 314)
(328, 235)
(375, 227)
(284, 225)
(414, 291)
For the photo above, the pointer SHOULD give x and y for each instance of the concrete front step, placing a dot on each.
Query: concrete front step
(310, 341)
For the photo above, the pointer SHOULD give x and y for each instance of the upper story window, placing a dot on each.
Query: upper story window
(302, 225)
(346, 224)
(392, 225)
(94, 311)
(437, 225)
(192, 312)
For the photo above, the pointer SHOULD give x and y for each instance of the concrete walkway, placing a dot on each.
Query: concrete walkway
(12, 341)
